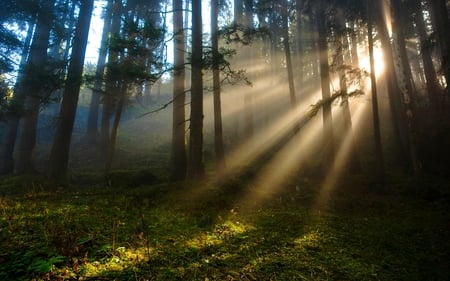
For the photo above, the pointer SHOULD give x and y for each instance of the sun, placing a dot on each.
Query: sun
(364, 62)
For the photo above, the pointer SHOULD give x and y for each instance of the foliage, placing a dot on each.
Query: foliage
(201, 231)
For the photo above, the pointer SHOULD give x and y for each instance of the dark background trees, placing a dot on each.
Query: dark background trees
(315, 52)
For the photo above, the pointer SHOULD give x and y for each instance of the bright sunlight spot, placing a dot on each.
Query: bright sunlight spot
(364, 62)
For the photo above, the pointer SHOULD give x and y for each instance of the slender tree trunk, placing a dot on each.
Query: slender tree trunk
(353, 161)
(111, 89)
(407, 89)
(92, 124)
(442, 27)
(218, 131)
(396, 105)
(238, 11)
(429, 71)
(287, 51)
(24, 163)
(178, 154)
(196, 166)
(7, 165)
(300, 42)
(59, 156)
(328, 139)
(115, 127)
(379, 161)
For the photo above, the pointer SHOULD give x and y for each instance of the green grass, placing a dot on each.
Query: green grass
(192, 231)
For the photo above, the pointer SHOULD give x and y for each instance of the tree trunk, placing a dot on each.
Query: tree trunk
(429, 71)
(92, 124)
(287, 51)
(178, 154)
(196, 166)
(396, 106)
(300, 43)
(379, 161)
(353, 163)
(17, 102)
(111, 85)
(407, 89)
(439, 13)
(59, 156)
(328, 139)
(32, 92)
(115, 127)
(218, 131)
(238, 11)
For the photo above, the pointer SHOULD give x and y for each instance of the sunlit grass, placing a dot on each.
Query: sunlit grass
(159, 233)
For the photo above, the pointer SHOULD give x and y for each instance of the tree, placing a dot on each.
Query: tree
(94, 106)
(59, 156)
(32, 89)
(379, 162)
(287, 51)
(178, 153)
(328, 140)
(195, 162)
(14, 108)
(218, 131)
(440, 16)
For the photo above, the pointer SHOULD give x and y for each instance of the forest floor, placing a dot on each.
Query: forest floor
(209, 231)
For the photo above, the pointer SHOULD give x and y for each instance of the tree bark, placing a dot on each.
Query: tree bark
(59, 156)
(195, 163)
(17, 102)
(379, 161)
(439, 13)
(32, 91)
(218, 131)
(287, 52)
(396, 105)
(328, 139)
(92, 124)
(178, 154)
(111, 89)
(353, 162)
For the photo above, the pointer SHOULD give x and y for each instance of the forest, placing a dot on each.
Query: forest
(224, 140)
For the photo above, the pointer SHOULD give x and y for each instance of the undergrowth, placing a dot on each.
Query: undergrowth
(202, 231)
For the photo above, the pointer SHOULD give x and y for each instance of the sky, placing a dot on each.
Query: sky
(95, 32)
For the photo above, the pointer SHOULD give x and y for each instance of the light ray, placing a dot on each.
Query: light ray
(337, 167)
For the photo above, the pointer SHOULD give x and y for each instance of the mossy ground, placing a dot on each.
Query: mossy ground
(192, 231)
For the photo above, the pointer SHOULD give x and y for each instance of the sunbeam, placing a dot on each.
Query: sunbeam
(341, 157)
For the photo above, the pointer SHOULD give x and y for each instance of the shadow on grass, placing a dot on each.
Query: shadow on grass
(197, 231)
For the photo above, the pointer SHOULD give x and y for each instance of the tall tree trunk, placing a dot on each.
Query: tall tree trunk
(328, 139)
(111, 85)
(115, 127)
(238, 11)
(195, 163)
(287, 51)
(353, 163)
(32, 92)
(396, 105)
(218, 131)
(431, 83)
(7, 165)
(442, 26)
(379, 161)
(407, 89)
(59, 155)
(92, 124)
(300, 42)
(178, 153)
